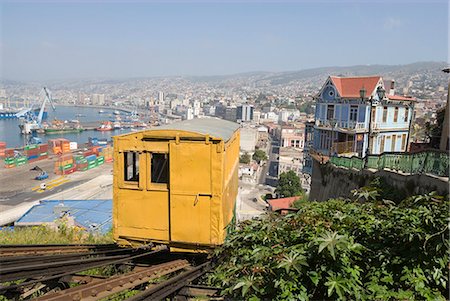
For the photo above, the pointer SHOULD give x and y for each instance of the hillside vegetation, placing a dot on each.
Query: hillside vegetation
(365, 248)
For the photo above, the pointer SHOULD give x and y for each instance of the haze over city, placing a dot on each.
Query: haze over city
(52, 40)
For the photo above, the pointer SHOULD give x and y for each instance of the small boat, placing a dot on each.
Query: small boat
(116, 112)
(106, 126)
(101, 111)
(117, 125)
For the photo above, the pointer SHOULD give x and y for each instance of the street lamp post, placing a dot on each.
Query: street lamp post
(362, 94)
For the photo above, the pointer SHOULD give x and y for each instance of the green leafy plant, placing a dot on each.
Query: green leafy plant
(365, 248)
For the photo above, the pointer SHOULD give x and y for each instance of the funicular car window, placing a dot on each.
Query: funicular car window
(131, 164)
(160, 168)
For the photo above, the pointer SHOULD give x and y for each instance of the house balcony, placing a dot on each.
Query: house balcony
(342, 125)
(383, 126)
(342, 148)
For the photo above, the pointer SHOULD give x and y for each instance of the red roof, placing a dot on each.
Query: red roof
(283, 203)
(349, 86)
(399, 97)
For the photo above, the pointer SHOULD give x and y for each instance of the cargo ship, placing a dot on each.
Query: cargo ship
(59, 127)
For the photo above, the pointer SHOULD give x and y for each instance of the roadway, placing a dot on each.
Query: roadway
(269, 174)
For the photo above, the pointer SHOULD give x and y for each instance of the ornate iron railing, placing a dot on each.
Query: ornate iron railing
(429, 162)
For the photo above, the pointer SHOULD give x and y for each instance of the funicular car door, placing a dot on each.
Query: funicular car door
(143, 210)
(190, 191)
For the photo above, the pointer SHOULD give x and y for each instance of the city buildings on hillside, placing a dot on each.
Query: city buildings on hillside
(292, 135)
(244, 113)
(357, 116)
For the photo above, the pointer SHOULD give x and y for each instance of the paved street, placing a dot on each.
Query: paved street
(269, 173)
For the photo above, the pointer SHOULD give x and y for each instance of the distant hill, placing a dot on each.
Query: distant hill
(314, 76)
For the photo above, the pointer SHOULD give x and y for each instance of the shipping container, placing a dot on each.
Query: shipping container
(91, 158)
(73, 145)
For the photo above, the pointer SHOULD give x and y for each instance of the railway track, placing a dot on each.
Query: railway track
(48, 271)
(26, 250)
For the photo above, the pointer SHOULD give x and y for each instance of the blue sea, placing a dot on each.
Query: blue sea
(10, 132)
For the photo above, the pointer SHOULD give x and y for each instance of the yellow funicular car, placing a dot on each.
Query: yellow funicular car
(176, 184)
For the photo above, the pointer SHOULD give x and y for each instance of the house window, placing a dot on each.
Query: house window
(374, 116)
(159, 168)
(406, 115)
(131, 166)
(353, 113)
(394, 141)
(395, 114)
(403, 142)
(382, 144)
(330, 112)
(384, 114)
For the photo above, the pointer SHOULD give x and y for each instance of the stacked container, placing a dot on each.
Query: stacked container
(81, 164)
(21, 160)
(59, 146)
(107, 153)
(54, 146)
(64, 165)
(32, 152)
(92, 161)
(65, 145)
(2, 149)
(100, 160)
(10, 162)
(43, 151)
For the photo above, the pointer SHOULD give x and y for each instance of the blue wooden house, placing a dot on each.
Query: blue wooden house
(357, 116)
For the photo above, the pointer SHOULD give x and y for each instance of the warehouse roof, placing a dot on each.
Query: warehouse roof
(214, 127)
(93, 215)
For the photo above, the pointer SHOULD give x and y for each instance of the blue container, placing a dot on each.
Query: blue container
(33, 157)
(93, 141)
(91, 158)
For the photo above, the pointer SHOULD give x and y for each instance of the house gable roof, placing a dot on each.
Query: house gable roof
(349, 87)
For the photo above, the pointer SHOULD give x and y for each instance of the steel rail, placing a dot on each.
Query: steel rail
(100, 289)
(21, 260)
(20, 250)
(165, 289)
(78, 268)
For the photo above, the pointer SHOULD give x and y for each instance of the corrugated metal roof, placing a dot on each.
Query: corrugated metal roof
(95, 215)
(214, 127)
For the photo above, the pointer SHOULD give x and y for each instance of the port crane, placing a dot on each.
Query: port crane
(31, 122)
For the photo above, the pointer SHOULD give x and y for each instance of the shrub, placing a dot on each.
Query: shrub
(364, 249)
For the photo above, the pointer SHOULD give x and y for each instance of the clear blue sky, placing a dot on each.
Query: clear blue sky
(51, 40)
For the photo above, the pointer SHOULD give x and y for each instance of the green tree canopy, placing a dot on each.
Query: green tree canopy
(288, 185)
(245, 158)
(259, 155)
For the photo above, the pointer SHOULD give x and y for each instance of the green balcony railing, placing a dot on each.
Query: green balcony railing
(430, 162)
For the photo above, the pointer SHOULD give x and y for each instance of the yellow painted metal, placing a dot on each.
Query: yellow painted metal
(192, 211)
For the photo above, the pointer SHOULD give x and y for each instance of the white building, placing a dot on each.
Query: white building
(248, 139)
(189, 114)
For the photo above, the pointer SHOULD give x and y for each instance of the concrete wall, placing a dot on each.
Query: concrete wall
(329, 181)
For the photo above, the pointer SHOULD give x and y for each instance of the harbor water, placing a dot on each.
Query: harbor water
(10, 131)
